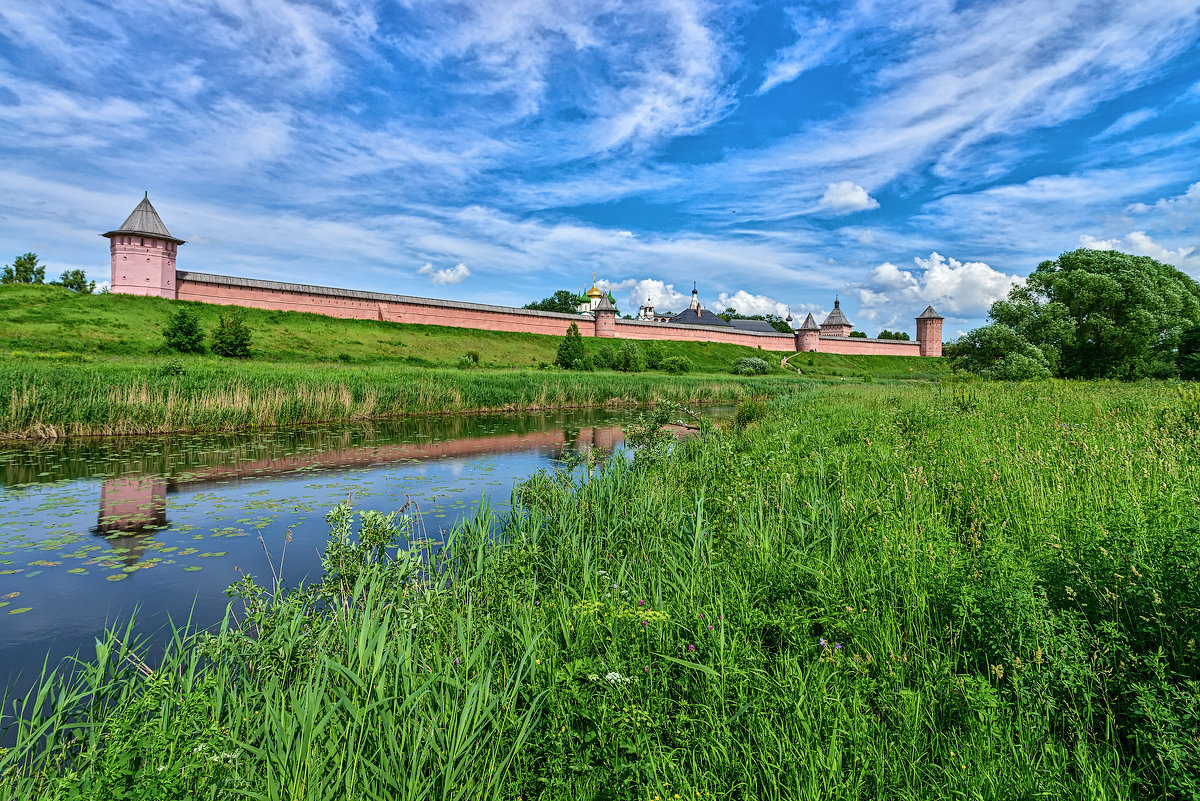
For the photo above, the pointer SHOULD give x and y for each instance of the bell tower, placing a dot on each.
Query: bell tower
(143, 254)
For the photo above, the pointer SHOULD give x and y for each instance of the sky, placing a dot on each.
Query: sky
(779, 155)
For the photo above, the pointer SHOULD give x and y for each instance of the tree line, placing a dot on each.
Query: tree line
(25, 269)
(1090, 314)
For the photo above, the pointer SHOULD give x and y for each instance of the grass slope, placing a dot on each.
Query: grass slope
(50, 321)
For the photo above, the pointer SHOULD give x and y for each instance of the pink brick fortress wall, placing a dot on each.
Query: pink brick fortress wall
(868, 347)
(207, 288)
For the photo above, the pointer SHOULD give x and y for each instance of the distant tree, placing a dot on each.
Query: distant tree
(561, 301)
(898, 335)
(998, 352)
(630, 358)
(778, 323)
(231, 337)
(183, 333)
(859, 334)
(76, 281)
(570, 350)
(24, 270)
(1103, 314)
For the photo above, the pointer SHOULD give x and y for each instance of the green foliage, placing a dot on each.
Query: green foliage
(570, 349)
(655, 353)
(76, 281)
(182, 333)
(676, 365)
(1104, 314)
(231, 337)
(750, 365)
(778, 323)
(24, 270)
(562, 301)
(1189, 354)
(859, 334)
(999, 353)
(896, 335)
(749, 411)
(630, 358)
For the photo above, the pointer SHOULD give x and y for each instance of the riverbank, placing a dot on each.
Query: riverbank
(903, 591)
(123, 398)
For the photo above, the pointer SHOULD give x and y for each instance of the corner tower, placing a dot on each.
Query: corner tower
(143, 254)
(836, 324)
(929, 332)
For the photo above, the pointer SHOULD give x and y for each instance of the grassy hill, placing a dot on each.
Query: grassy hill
(40, 322)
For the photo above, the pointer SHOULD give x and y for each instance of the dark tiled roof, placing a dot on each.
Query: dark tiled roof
(753, 325)
(836, 317)
(810, 324)
(929, 314)
(698, 317)
(144, 221)
(605, 304)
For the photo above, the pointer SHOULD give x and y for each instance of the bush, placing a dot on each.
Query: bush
(630, 358)
(750, 365)
(231, 337)
(749, 411)
(606, 358)
(183, 333)
(654, 355)
(677, 365)
(999, 353)
(570, 350)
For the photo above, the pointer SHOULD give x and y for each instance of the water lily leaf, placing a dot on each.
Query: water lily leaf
(19, 610)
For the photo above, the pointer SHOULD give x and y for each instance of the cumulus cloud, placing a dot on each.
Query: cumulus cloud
(843, 197)
(959, 289)
(749, 304)
(1139, 244)
(662, 296)
(451, 275)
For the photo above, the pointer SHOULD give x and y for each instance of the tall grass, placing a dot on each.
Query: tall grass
(884, 592)
(41, 401)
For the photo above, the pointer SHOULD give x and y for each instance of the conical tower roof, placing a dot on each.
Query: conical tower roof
(144, 221)
(929, 314)
(836, 317)
(605, 304)
(810, 324)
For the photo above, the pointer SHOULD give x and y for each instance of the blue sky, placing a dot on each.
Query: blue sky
(895, 153)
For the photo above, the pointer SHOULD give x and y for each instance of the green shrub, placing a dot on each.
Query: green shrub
(231, 337)
(654, 355)
(606, 358)
(570, 350)
(677, 365)
(630, 358)
(749, 411)
(183, 333)
(750, 365)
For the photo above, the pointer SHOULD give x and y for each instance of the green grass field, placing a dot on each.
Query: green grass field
(95, 364)
(901, 591)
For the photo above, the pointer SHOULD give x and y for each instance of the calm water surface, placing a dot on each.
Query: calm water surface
(92, 531)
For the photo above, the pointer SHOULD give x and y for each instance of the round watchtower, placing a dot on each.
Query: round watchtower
(143, 254)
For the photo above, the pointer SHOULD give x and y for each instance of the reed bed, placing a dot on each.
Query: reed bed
(873, 592)
(55, 401)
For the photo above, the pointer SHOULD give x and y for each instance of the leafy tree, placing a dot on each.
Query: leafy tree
(570, 350)
(1189, 354)
(896, 335)
(231, 337)
(561, 301)
(1103, 314)
(183, 333)
(24, 270)
(859, 334)
(998, 352)
(76, 281)
(750, 365)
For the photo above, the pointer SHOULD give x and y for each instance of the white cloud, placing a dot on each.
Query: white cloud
(843, 197)
(750, 304)
(1139, 244)
(1127, 122)
(451, 275)
(662, 296)
(890, 295)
